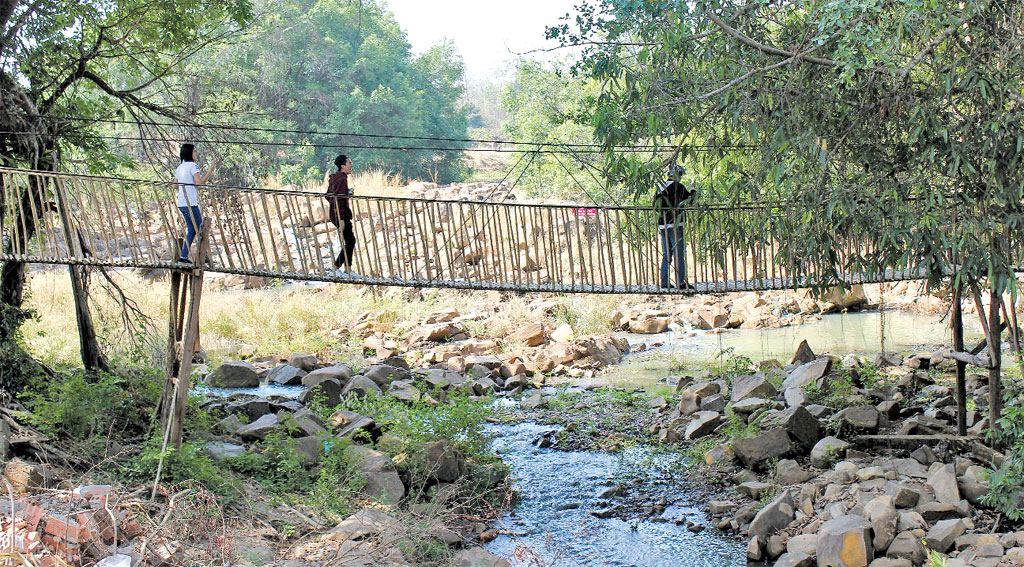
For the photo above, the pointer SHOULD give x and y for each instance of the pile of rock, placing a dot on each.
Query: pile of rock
(857, 498)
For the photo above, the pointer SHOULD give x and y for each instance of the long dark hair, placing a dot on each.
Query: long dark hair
(186, 152)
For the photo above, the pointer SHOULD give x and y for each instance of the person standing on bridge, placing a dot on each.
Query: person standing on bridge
(188, 176)
(669, 200)
(340, 214)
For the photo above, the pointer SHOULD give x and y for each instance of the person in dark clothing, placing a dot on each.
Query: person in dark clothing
(669, 199)
(340, 214)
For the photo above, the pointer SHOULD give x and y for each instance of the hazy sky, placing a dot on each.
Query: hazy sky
(485, 31)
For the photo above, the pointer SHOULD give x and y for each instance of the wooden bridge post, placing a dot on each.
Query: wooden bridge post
(189, 340)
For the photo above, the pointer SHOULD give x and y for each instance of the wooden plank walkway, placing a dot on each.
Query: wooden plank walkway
(411, 242)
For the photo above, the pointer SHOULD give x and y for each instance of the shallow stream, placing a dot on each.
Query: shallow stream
(559, 491)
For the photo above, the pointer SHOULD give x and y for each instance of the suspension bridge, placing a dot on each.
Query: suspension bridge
(64, 218)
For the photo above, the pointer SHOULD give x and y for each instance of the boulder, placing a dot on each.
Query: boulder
(943, 484)
(259, 428)
(748, 406)
(788, 472)
(234, 374)
(443, 461)
(306, 362)
(478, 557)
(908, 546)
(902, 496)
(309, 449)
(444, 379)
(744, 387)
(307, 422)
(881, 512)
(754, 451)
(803, 543)
(286, 375)
(366, 522)
(252, 409)
(803, 427)
(773, 517)
(530, 335)
(753, 489)
(859, 418)
(944, 533)
(404, 390)
(704, 423)
(797, 559)
(220, 451)
(533, 401)
(803, 354)
(434, 333)
(826, 451)
(715, 403)
(845, 542)
(352, 423)
(689, 402)
(795, 397)
(382, 480)
(339, 372)
(648, 325)
(328, 390)
(714, 317)
(808, 373)
(383, 374)
(361, 386)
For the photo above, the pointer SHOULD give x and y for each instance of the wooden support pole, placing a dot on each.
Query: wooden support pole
(188, 347)
(167, 399)
(957, 322)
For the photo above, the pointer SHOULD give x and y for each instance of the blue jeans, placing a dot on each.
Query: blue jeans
(193, 220)
(673, 248)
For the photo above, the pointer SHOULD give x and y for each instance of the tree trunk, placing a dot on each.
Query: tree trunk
(92, 357)
(995, 394)
(957, 321)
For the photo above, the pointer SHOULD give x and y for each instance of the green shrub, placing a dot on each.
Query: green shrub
(1005, 483)
(275, 462)
(180, 465)
(16, 367)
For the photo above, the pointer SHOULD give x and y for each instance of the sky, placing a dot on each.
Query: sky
(486, 32)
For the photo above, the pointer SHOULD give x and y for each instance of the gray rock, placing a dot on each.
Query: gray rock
(827, 451)
(443, 461)
(797, 559)
(773, 517)
(361, 386)
(907, 546)
(252, 409)
(803, 354)
(788, 472)
(286, 374)
(478, 557)
(891, 562)
(803, 427)
(943, 484)
(924, 455)
(753, 489)
(306, 362)
(845, 542)
(754, 451)
(234, 374)
(702, 424)
(230, 425)
(809, 373)
(326, 390)
(533, 401)
(259, 428)
(748, 406)
(382, 480)
(935, 511)
(221, 451)
(352, 423)
(744, 387)
(795, 397)
(339, 372)
(806, 544)
(404, 390)
(714, 403)
(382, 374)
(689, 402)
(902, 496)
(944, 533)
(860, 418)
(309, 449)
(444, 379)
(366, 522)
(881, 512)
(307, 422)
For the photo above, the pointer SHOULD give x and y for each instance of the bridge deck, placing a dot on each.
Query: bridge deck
(412, 242)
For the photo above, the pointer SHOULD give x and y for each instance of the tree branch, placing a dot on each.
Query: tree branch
(746, 40)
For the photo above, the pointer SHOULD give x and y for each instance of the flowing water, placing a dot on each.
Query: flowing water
(559, 491)
(686, 351)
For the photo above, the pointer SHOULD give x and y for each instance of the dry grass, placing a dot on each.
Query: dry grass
(314, 319)
(376, 182)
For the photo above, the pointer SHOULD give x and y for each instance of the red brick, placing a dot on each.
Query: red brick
(32, 516)
(65, 528)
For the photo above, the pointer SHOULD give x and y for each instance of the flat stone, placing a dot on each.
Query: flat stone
(748, 406)
(935, 511)
(704, 423)
(478, 557)
(808, 373)
(860, 418)
(259, 428)
(689, 402)
(382, 480)
(797, 559)
(325, 389)
(383, 374)
(754, 451)
(306, 362)
(845, 542)
(753, 490)
(795, 397)
(944, 533)
(943, 484)
(339, 372)
(773, 517)
(803, 543)
(748, 386)
(221, 451)
(361, 386)
(902, 496)
(788, 472)
(907, 546)
(714, 403)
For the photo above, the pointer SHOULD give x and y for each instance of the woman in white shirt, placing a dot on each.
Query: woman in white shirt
(187, 175)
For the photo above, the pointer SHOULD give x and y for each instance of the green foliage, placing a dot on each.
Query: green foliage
(338, 66)
(732, 364)
(81, 406)
(187, 464)
(275, 463)
(16, 367)
(1005, 493)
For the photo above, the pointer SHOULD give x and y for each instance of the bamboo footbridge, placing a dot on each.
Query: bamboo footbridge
(62, 218)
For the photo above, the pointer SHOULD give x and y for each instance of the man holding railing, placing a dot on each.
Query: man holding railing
(669, 200)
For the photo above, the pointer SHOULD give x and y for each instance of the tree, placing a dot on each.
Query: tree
(336, 66)
(60, 61)
(871, 117)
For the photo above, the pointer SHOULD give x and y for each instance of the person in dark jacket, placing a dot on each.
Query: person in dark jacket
(669, 199)
(340, 214)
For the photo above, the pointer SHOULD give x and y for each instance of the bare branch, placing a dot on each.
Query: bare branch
(746, 40)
